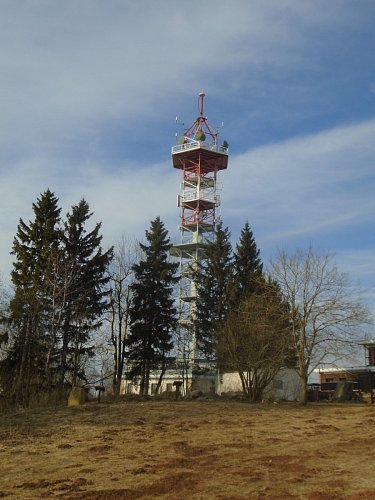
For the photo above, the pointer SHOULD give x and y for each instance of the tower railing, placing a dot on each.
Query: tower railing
(193, 144)
(203, 195)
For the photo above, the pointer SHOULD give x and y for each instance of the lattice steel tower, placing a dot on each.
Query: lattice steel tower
(199, 157)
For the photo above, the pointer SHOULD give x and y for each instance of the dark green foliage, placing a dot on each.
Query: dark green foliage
(212, 279)
(247, 266)
(59, 297)
(87, 291)
(152, 313)
(31, 308)
(223, 280)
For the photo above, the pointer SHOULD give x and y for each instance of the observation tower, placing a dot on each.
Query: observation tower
(199, 157)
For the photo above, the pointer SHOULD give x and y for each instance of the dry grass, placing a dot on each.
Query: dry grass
(189, 449)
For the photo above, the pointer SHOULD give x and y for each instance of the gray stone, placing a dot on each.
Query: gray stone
(196, 394)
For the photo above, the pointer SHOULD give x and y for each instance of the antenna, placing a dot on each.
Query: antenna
(200, 128)
(179, 123)
(220, 126)
(201, 96)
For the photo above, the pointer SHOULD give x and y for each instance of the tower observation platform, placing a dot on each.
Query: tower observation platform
(199, 157)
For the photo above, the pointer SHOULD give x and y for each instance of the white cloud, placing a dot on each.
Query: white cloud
(305, 185)
(125, 199)
(88, 86)
(69, 68)
(300, 187)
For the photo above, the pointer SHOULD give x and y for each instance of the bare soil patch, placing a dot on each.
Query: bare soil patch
(189, 449)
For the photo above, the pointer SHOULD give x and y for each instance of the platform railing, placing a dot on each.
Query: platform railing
(193, 144)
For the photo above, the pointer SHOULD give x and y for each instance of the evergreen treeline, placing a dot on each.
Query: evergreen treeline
(66, 286)
(60, 294)
(242, 319)
(223, 280)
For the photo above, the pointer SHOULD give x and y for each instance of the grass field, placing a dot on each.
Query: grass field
(189, 450)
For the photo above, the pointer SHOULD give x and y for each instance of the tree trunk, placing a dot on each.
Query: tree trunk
(22, 386)
(162, 373)
(64, 353)
(63, 365)
(303, 390)
(117, 387)
(146, 382)
(245, 387)
(143, 378)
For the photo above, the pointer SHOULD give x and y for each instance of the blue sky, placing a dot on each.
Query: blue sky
(90, 90)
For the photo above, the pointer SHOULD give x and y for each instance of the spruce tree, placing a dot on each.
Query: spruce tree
(31, 308)
(85, 281)
(59, 276)
(212, 279)
(152, 313)
(247, 266)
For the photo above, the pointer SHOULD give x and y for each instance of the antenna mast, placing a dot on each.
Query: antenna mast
(201, 127)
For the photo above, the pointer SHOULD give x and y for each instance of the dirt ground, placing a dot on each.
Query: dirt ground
(189, 450)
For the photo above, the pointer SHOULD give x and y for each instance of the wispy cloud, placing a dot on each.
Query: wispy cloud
(69, 69)
(292, 191)
(305, 185)
(89, 91)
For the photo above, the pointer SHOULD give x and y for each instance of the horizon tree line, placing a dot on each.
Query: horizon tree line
(66, 287)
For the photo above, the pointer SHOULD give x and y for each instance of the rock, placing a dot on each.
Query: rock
(196, 393)
(76, 396)
(343, 391)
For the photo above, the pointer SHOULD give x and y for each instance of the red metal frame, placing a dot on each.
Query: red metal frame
(201, 124)
(198, 211)
(202, 163)
(205, 160)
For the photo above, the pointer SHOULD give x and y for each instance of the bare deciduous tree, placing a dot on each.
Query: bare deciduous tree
(121, 275)
(255, 340)
(4, 306)
(99, 369)
(326, 316)
(58, 287)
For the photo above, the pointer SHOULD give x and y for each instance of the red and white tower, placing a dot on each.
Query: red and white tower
(199, 157)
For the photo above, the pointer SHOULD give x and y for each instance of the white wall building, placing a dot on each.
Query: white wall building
(285, 387)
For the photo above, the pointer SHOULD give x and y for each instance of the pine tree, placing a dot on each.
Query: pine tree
(212, 279)
(85, 280)
(31, 308)
(247, 266)
(152, 313)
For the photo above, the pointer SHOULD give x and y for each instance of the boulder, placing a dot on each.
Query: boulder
(343, 391)
(76, 396)
(196, 393)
